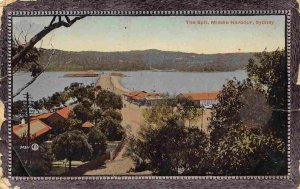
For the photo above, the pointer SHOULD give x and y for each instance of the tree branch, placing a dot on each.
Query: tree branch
(35, 77)
(17, 57)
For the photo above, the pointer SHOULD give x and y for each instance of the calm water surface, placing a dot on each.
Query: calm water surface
(179, 82)
(164, 82)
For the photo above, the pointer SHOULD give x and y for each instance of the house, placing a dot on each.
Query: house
(38, 129)
(43, 123)
(203, 99)
(87, 124)
(143, 98)
(52, 118)
(135, 96)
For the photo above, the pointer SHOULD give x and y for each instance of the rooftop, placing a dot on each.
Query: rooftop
(64, 112)
(201, 96)
(88, 125)
(137, 95)
(37, 128)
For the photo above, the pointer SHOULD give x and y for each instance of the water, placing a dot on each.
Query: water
(179, 82)
(163, 82)
(46, 84)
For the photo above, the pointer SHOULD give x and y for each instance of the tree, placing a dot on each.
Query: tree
(22, 50)
(98, 141)
(270, 70)
(171, 149)
(106, 99)
(73, 146)
(111, 128)
(188, 109)
(244, 152)
(18, 107)
(37, 105)
(26, 55)
(40, 163)
(173, 108)
(248, 125)
(83, 113)
(226, 113)
(113, 114)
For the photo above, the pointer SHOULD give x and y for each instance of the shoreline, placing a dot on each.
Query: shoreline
(116, 81)
(111, 83)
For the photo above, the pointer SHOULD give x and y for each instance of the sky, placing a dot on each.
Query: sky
(169, 33)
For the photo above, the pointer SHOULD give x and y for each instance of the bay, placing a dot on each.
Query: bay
(150, 81)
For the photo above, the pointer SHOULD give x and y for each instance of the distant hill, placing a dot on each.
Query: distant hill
(144, 60)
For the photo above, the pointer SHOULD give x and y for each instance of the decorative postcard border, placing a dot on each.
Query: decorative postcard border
(287, 14)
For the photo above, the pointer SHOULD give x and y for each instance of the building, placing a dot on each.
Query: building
(203, 99)
(53, 118)
(41, 124)
(143, 98)
(38, 129)
(86, 126)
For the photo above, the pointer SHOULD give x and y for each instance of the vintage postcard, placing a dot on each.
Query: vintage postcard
(132, 95)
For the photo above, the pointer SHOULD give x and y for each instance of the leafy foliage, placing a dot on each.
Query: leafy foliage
(72, 145)
(106, 99)
(29, 61)
(248, 128)
(171, 149)
(111, 128)
(83, 113)
(18, 107)
(179, 108)
(244, 152)
(270, 70)
(98, 141)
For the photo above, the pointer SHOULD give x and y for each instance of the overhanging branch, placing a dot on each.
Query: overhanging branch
(17, 57)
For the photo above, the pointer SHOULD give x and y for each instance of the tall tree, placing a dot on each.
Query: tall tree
(111, 128)
(106, 99)
(270, 70)
(248, 125)
(72, 145)
(98, 141)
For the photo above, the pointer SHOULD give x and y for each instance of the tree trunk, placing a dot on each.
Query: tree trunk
(70, 165)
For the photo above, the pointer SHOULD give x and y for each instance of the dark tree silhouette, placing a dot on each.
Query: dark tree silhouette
(72, 145)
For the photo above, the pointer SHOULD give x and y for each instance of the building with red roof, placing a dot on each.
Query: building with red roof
(64, 112)
(87, 124)
(41, 124)
(203, 99)
(143, 98)
(37, 129)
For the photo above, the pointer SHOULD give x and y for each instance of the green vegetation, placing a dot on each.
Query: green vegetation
(171, 149)
(72, 145)
(71, 141)
(98, 141)
(247, 130)
(111, 128)
(144, 60)
(178, 108)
